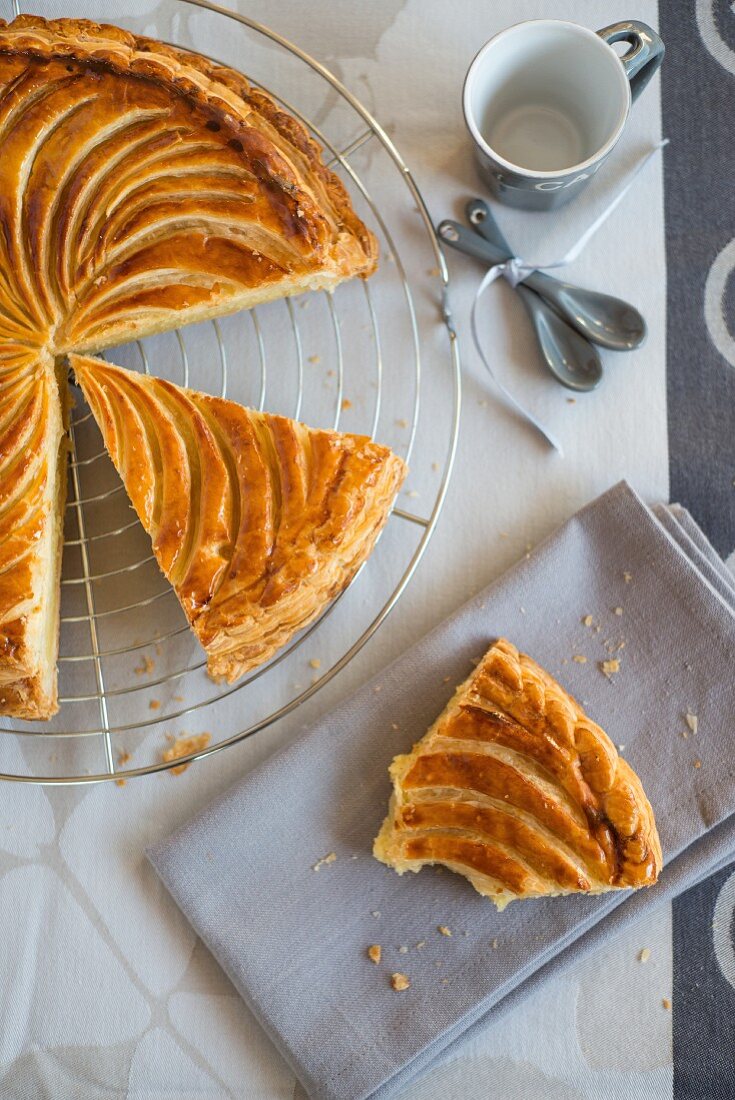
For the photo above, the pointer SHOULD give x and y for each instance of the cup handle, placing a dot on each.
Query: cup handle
(643, 60)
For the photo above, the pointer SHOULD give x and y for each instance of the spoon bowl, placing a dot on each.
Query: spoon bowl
(571, 358)
(602, 318)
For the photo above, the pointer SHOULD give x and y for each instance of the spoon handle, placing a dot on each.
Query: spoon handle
(466, 240)
(481, 217)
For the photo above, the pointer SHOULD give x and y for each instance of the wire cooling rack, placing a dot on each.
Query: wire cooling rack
(378, 357)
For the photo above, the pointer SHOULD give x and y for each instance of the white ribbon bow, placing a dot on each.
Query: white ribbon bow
(515, 270)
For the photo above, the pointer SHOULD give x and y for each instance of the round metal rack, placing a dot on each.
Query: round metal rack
(378, 357)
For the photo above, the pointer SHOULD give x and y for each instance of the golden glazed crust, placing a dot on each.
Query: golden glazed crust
(32, 493)
(515, 788)
(143, 187)
(256, 520)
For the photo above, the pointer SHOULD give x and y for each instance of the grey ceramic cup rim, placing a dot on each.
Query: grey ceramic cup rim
(532, 173)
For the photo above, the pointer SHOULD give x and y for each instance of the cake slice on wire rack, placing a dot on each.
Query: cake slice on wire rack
(256, 520)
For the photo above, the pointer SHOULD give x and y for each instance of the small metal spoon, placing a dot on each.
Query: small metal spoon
(571, 359)
(602, 318)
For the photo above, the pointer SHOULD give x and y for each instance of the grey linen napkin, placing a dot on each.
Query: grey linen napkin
(293, 939)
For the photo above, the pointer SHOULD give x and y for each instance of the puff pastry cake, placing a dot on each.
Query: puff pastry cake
(515, 788)
(256, 520)
(143, 187)
(32, 497)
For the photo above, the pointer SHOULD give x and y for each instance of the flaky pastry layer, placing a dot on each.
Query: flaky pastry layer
(515, 788)
(143, 187)
(33, 452)
(256, 520)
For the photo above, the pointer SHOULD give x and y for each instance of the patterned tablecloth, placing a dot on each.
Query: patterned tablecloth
(106, 991)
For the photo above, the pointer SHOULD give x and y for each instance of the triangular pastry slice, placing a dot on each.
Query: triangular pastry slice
(515, 788)
(33, 452)
(143, 187)
(256, 520)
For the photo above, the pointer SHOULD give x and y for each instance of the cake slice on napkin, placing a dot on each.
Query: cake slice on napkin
(515, 788)
(256, 520)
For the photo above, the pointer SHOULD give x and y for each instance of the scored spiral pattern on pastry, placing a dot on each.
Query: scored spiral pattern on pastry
(256, 520)
(515, 788)
(143, 187)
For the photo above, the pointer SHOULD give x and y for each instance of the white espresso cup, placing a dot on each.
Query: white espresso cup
(546, 102)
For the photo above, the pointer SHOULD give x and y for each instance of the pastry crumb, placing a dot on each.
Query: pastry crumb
(617, 611)
(329, 858)
(120, 782)
(644, 954)
(375, 913)
(579, 658)
(315, 663)
(495, 944)
(374, 953)
(692, 722)
(315, 358)
(346, 404)
(178, 698)
(146, 667)
(399, 982)
(378, 687)
(123, 758)
(435, 466)
(697, 763)
(685, 734)
(627, 577)
(588, 621)
(621, 748)
(154, 704)
(402, 423)
(571, 401)
(432, 272)
(446, 679)
(394, 726)
(609, 668)
(444, 930)
(420, 944)
(403, 950)
(665, 1003)
(183, 746)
